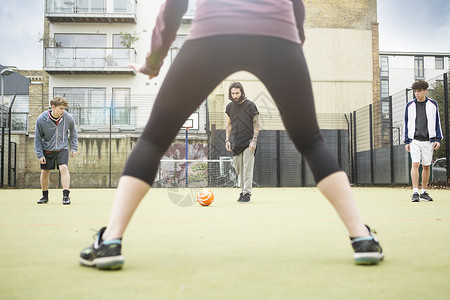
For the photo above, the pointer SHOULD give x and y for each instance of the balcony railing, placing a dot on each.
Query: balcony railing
(91, 11)
(99, 117)
(19, 121)
(62, 60)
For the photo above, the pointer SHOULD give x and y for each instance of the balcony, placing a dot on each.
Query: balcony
(62, 60)
(91, 11)
(101, 118)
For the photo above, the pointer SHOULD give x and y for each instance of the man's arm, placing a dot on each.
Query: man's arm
(38, 142)
(405, 130)
(252, 145)
(227, 134)
(73, 139)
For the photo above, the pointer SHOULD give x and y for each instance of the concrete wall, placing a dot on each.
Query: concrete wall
(342, 54)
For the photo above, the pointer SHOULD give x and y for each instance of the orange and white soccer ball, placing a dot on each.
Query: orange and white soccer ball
(205, 197)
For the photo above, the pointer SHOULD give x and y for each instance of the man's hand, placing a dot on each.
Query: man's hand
(228, 145)
(407, 147)
(42, 160)
(73, 153)
(436, 145)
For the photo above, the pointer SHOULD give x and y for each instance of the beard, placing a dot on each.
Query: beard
(239, 100)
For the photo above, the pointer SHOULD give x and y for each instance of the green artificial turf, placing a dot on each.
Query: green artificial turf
(287, 243)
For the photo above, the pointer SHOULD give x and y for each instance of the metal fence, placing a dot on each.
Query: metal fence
(367, 143)
(378, 151)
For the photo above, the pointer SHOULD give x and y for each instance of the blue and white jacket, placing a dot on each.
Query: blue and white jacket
(434, 123)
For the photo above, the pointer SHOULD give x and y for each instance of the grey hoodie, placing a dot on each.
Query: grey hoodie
(52, 137)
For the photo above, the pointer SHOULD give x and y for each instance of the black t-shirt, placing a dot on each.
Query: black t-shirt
(421, 133)
(241, 116)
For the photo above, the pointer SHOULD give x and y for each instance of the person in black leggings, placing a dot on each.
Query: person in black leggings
(201, 64)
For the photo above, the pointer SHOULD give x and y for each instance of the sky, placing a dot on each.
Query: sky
(404, 25)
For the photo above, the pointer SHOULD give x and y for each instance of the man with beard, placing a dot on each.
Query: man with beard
(242, 129)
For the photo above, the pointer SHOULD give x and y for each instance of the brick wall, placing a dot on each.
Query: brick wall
(341, 14)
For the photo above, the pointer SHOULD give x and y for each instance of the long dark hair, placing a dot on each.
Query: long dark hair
(236, 85)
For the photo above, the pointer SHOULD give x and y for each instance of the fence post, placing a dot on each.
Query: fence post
(110, 139)
(447, 127)
(9, 139)
(371, 145)
(350, 144)
(391, 140)
(278, 159)
(339, 150)
(355, 162)
(303, 171)
(2, 163)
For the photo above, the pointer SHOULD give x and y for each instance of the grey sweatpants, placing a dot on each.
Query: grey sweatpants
(243, 163)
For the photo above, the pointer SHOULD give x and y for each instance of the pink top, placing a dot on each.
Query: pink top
(277, 18)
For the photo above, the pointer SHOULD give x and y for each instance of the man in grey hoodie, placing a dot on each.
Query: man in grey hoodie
(54, 129)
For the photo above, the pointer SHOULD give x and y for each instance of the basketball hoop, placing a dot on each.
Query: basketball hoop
(189, 124)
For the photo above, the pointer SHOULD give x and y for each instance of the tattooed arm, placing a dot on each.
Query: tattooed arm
(252, 145)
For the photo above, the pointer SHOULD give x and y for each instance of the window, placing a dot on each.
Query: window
(118, 57)
(87, 105)
(384, 66)
(123, 6)
(418, 67)
(91, 6)
(439, 62)
(385, 109)
(121, 110)
(86, 50)
(80, 40)
(384, 88)
(117, 41)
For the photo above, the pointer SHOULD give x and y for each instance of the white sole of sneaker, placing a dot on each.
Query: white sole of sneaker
(368, 258)
(104, 263)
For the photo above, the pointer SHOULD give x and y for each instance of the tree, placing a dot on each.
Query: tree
(128, 39)
(47, 40)
(437, 93)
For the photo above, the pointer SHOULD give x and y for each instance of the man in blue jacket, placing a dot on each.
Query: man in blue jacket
(423, 134)
(54, 129)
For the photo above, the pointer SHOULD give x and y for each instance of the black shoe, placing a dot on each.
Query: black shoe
(42, 200)
(104, 255)
(245, 198)
(66, 200)
(415, 197)
(425, 197)
(240, 197)
(367, 250)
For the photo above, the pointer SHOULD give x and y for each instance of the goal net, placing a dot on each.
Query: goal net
(196, 173)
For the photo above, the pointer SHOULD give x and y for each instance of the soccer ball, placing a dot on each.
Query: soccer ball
(205, 197)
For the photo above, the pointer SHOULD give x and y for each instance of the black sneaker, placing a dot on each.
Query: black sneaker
(246, 198)
(240, 197)
(425, 197)
(367, 250)
(42, 200)
(104, 255)
(66, 200)
(415, 197)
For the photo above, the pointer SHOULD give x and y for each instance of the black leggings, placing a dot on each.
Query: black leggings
(201, 65)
